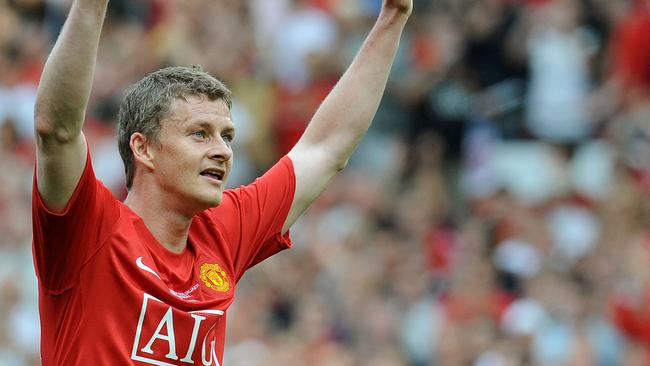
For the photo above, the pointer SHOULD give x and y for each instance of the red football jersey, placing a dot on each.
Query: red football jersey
(111, 294)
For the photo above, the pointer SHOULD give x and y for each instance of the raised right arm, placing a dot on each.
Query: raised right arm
(61, 103)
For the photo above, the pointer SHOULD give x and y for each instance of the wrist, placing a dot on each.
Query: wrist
(393, 17)
(90, 10)
(91, 4)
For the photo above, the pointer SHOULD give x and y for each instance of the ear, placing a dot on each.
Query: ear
(143, 149)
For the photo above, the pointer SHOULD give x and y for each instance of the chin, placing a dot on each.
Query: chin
(215, 200)
(207, 200)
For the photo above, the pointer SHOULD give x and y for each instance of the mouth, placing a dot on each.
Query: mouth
(214, 174)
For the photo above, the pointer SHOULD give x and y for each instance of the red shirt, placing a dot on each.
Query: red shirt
(111, 294)
(631, 50)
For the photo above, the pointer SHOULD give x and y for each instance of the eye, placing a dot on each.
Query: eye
(227, 138)
(200, 134)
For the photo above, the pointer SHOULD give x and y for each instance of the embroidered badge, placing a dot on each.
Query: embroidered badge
(214, 277)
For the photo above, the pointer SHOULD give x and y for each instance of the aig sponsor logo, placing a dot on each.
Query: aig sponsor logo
(168, 337)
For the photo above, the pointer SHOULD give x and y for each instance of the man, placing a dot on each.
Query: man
(149, 281)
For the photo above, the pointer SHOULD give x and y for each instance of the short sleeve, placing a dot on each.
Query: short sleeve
(63, 242)
(251, 217)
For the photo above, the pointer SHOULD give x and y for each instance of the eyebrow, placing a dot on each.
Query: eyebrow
(230, 128)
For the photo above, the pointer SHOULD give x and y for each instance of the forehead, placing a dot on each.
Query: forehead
(199, 109)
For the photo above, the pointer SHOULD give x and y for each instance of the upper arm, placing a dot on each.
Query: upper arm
(61, 102)
(314, 166)
(59, 165)
(66, 238)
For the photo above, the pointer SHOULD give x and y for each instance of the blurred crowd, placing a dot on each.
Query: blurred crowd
(496, 214)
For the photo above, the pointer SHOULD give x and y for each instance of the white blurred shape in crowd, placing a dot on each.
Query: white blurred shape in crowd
(574, 231)
(267, 17)
(559, 50)
(592, 169)
(17, 104)
(305, 31)
(517, 257)
(421, 330)
(531, 171)
(523, 317)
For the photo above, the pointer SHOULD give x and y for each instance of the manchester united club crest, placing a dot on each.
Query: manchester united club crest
(214, 277)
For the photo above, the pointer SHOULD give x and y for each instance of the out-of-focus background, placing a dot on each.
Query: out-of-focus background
(496, 213)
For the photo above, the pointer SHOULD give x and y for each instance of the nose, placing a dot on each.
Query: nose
(221, 151)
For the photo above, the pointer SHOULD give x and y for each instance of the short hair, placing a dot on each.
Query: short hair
(149, 101)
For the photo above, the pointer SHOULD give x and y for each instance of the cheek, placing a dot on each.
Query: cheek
(229, 165)
(175, 166)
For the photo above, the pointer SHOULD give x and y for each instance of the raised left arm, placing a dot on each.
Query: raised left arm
(345, 115)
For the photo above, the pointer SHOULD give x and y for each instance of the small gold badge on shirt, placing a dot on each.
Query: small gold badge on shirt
(214, 277)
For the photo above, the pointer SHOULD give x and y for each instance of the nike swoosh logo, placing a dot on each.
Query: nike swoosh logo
(144, 267)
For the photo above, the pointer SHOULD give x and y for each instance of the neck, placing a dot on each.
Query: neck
(169, 226)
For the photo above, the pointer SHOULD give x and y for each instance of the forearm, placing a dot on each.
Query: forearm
(66, 82)
(345, 115)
